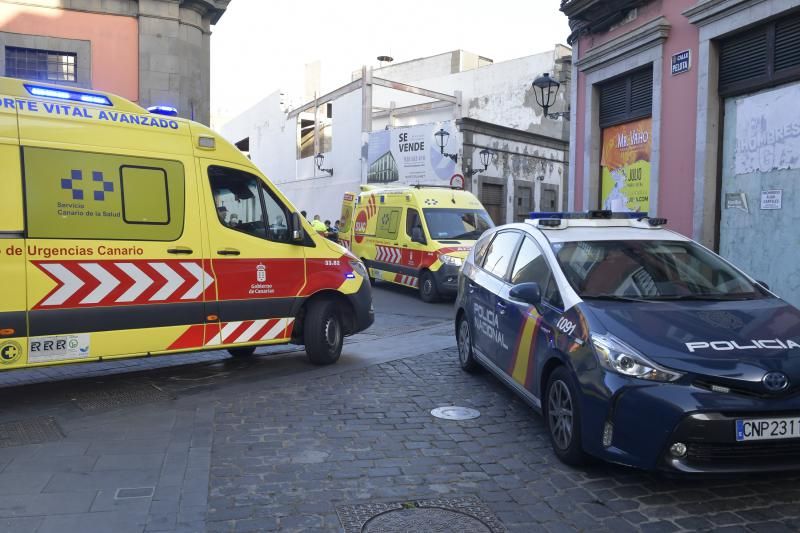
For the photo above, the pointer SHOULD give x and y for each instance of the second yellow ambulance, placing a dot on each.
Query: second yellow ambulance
(416, 236)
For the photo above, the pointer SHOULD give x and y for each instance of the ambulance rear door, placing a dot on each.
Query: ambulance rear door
(13, 327)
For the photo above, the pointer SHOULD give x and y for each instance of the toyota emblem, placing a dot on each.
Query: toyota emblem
(775, 381)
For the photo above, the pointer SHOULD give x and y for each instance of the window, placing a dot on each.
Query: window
(413, 223)
(531, 266)
(481, 247)
(626, 98)
(145, 198)
(81, 195)
(501, 253)
(759, 58)
(457, 224)
(244, 204)
(31, 64)
(310, 124)
(388, 222)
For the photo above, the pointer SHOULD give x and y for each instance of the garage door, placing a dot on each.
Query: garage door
(493, 200)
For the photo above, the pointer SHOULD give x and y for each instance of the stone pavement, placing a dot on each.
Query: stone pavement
(273, 443)
(286, 458)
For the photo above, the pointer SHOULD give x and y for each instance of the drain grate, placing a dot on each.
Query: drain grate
(465, 514)
(119, 395)
(29, 431)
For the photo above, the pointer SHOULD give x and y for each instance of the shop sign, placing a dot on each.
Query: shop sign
(625, 162)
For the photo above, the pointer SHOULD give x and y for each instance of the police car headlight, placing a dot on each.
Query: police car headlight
(451, 260)
(617, 357)
(359, 268)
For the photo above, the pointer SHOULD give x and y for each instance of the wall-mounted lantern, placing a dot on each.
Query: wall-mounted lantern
(320, 159)
(545, 90)
(485, 156)
(442, 137)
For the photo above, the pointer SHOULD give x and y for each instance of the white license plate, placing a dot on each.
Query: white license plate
(768, 429)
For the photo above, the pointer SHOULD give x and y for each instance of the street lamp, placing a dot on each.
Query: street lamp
(442, 137)
(545, 90)
(320, 159)
(485, 155)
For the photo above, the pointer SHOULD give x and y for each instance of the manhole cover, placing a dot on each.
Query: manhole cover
(29, 431)
(119, 395)
(453, 412)
(467, 514)
(424, 519)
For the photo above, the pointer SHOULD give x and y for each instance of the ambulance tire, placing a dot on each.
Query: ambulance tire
(428, 290)
(562, 415)
(244, 351)
(323, 333)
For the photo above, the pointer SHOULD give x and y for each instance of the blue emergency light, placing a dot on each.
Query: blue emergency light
(163, 110)
(66, 94)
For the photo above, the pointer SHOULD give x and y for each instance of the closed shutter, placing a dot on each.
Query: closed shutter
(756, 59)
(492, 194)
(626, 98)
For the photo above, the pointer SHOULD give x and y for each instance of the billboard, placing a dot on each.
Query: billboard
(411, 154)
(625, 166)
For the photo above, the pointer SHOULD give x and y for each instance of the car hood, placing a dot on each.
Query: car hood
(736, 341)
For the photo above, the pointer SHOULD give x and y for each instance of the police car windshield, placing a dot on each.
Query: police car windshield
(650, 270)
(457, 224)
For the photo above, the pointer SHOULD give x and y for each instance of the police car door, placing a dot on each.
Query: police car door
(529, 328)
(260, 272)
(489, 311)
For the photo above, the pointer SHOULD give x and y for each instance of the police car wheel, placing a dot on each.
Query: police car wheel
(427, 288)
(563, 417)
(466, 357)
(244, 351)
(324, 333)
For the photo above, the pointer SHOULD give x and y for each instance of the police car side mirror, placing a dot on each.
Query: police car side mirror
(530, 293)
(298, 235)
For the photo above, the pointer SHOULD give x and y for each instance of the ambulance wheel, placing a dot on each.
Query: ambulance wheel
(427, 288)
(244, 351)
(466, 357)
(562, 414)
(324, 333)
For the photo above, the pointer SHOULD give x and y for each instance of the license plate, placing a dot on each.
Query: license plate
(768, 429)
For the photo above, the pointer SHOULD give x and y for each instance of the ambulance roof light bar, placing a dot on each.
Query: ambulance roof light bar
(68, 94)
(163, 110)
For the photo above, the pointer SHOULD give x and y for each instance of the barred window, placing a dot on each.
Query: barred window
(43, 65)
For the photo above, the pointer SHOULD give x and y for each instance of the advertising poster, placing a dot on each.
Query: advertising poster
(411, 154)
(767, 137)
(625, 162)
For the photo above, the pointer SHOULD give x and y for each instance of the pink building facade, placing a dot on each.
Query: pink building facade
(687, 109)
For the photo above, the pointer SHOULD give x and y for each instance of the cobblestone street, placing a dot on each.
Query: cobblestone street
(210, 443)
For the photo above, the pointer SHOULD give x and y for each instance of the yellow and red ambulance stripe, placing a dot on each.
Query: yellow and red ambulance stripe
(234, 333)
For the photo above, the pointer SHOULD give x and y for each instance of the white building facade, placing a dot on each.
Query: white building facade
(388, 126)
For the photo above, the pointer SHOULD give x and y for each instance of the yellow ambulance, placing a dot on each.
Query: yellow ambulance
(416, 236)
(125, 233)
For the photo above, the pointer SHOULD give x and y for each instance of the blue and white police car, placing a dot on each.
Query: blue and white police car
(637, 345)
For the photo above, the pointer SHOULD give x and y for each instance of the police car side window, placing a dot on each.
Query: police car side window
(531, 266)
(500, 253)
(481, 247)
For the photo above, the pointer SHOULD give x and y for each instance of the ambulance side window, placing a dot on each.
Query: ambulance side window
(414, 226)
(388, 222)
(244, 204)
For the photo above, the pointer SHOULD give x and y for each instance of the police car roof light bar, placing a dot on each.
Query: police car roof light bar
(595, 215)
(163, 110)
(66, 94)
